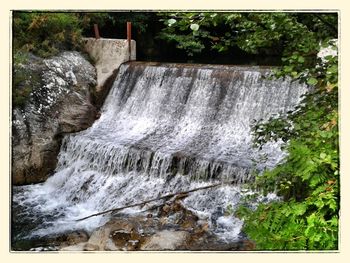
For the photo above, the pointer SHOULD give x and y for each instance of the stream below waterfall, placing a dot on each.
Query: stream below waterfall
(164, 128)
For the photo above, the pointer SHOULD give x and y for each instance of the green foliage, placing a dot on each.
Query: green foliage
(139, 20)
(20, 93)
(115, 21)
(24, 80)
(293, 225)
(87, 20)
(45, 34)
(191, 31)
(255, 33)
(308, 180)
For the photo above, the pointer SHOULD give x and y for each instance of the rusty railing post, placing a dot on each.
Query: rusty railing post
(97, 33)
(128, 33)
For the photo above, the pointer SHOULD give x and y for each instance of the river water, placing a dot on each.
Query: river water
(164, 128)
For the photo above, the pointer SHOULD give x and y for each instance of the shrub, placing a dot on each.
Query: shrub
(45, 34)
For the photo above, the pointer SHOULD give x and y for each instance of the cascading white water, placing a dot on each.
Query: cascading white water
(163, 129)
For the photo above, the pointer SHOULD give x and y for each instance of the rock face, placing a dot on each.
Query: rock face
(60, 102)
(173, 227)
(166, 240)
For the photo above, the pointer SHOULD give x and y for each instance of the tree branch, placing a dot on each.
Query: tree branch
(155, 199)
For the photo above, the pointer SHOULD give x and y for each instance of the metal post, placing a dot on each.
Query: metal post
(128, 32)
(97, 33)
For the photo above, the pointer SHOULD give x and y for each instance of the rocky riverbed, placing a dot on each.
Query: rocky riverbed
(170, 227)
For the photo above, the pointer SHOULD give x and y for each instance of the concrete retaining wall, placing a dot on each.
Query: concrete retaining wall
(108, 54)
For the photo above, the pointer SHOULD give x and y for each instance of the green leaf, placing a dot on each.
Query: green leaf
(319, 203)
(323, 155)
(288, 68)
(301, 59)
(294, 74)
(300, 209)
(333, 69)
(312, 81)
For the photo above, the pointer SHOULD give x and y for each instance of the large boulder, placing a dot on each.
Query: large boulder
(59, 103)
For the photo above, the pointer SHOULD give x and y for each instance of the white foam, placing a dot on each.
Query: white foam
(173, 130)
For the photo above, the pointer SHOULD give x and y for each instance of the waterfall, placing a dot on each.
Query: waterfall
(163, 128)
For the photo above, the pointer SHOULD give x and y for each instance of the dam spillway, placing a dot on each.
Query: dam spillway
(163, 128)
